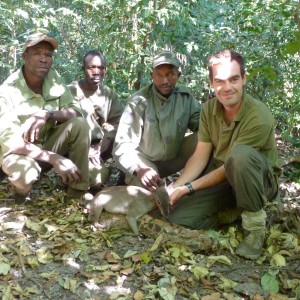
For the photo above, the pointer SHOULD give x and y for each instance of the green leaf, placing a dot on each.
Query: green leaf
(200, 272)
(146, 257)
(292, 47)
(4, 268)
(175, 251)
(278, 260)
(226, 284)
(129, 253)
(220, 258)
(157, 242)
(167, 289)
(269, 283)
(44, 256)
(68, 284)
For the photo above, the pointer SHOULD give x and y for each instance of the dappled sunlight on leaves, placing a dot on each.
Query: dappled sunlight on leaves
(49, 248)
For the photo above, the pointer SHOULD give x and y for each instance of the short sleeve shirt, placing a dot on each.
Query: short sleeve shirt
(253, 126)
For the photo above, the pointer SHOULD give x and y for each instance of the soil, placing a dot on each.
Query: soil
(50, 250)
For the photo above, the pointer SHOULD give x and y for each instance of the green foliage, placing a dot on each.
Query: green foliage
(269, 282)
(131, 32)
(293, 174)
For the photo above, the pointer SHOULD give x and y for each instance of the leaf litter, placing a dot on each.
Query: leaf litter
(49, 250)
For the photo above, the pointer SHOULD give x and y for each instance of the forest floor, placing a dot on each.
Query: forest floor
(49, 250)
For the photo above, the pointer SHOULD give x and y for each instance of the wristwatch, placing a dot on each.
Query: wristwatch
(190, 187)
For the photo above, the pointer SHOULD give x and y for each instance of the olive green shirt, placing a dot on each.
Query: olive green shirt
(254, 126)
(154, 126)
(99, 107)
(18, 103)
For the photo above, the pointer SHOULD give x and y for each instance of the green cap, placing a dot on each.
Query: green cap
(38, 37)
(166, 58)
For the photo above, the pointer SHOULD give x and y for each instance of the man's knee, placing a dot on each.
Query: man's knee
(198, 211)
(78, 123)
(240, 156)
(22, 171)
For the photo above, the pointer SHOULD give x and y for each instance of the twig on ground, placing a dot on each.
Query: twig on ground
(21, 260)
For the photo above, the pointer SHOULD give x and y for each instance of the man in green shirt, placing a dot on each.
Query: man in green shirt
(236, 159)
(102, 109)
(150, 142)
(39, 125)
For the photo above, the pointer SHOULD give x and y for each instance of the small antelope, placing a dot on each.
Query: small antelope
(133, 201)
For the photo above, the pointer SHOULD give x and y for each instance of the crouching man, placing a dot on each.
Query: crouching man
(150, 142)
(234, 167)
(39, 125)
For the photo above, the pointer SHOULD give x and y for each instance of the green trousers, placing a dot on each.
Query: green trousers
(70, 139)
(250, 184)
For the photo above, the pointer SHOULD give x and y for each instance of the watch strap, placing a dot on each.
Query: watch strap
(190, 187)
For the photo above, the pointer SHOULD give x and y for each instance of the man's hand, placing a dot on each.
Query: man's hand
(67, 170)
(108, 127)
(148, 177)
(176, 193)
(33, 125)
(94, 154)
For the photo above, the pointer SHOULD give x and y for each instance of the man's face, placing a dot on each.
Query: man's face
(164, 78)
(94, 70)
(38, 59)
(228, 83)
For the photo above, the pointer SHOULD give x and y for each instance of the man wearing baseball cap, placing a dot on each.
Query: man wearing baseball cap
(38, 37)
(39, 124)
(151, 141)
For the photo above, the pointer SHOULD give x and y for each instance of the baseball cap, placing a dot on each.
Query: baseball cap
(38, 37)
(166, 58)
